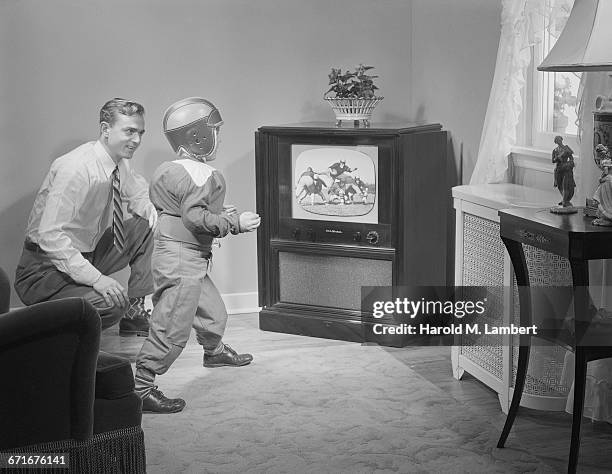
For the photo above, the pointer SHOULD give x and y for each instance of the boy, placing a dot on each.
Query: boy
(188, 194)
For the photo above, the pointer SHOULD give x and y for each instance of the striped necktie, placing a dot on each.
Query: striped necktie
(118, 230)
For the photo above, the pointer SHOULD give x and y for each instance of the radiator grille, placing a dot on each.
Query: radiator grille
(546, 360)
(483, 263)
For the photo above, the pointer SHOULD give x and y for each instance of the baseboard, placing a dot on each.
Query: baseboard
(240, 303)
(235, 303)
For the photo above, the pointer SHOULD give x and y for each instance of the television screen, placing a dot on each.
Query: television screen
(337, 183)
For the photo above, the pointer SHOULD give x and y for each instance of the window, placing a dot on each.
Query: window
(554, 94)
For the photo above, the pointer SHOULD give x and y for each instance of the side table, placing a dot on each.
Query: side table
(574, 237)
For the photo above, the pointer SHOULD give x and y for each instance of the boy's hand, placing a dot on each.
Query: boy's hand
(249, 221)
(230, 209)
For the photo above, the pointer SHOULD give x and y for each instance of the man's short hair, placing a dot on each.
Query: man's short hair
(109, 111)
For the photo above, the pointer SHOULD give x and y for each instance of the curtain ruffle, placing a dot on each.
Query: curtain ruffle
(523, 23)
(598, 392)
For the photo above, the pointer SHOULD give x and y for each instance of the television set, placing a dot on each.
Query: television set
(344, 208)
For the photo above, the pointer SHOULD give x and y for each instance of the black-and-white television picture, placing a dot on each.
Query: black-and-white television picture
(336, 183)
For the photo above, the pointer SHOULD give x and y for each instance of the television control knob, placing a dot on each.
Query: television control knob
(296, 233)
(311, 235)
(372, 237)
(357, 236)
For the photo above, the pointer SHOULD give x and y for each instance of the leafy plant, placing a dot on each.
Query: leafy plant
(352, 85)
(564, 98)
(563, 94)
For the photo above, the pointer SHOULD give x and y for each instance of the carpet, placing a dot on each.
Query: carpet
(309, 405)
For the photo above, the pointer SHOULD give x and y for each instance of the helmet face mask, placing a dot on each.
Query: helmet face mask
(196, 139)
(191, 126)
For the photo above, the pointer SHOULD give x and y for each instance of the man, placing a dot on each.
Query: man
(77, 236)
(189, 195)
(318, 182)
(338, 168)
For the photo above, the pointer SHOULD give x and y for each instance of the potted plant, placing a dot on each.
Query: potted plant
(563, 97)
(354, 94)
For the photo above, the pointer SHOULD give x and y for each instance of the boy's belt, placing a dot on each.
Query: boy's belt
(172, 227)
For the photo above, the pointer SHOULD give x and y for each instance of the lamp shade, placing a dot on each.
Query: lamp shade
(585, 43)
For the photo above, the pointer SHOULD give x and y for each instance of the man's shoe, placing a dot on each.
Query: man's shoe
(135, 322)
(156, 402)
(227, 357)
(133, 327)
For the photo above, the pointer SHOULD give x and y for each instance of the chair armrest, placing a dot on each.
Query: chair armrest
(5, 292)
(69, 314)
(48, 353)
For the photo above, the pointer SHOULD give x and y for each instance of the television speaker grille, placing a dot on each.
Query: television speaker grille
(331, 281)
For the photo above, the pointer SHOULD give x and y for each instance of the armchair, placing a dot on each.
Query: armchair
(60, 394)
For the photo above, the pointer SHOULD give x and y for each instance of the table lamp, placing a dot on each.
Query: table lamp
(585, 44)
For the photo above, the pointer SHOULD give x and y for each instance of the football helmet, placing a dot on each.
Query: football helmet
(191, 126)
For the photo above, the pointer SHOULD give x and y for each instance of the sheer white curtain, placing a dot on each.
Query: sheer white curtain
(598, 392)
(523, 23)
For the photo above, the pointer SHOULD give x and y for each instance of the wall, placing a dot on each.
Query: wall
(262, 63)
(454, 45)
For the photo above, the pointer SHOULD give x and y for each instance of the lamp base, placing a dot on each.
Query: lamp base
(603, 104)
(602, 221)
(590, 209)
(563, 210)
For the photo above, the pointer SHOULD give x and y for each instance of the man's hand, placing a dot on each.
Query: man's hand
(112, 292)
(151, 215)
(249, 221)
(153, 219)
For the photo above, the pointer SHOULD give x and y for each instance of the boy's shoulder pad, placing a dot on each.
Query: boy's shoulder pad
(197, 170)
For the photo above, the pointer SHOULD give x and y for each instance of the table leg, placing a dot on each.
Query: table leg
(517, 256)
(579, 386)
(582, 299)
(580, 277)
